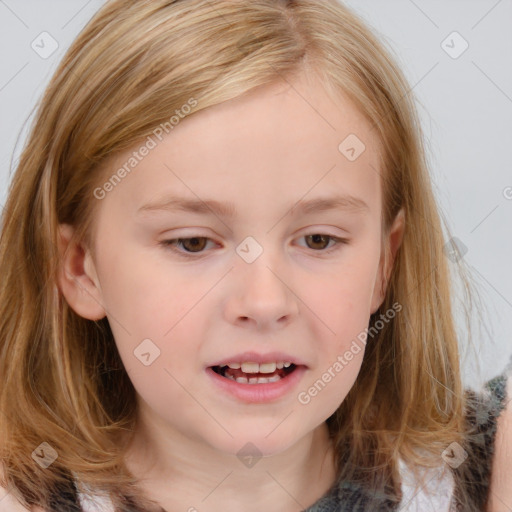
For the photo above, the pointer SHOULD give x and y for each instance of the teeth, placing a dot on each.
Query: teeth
(255, 380)
(267, 368)
(248, 367)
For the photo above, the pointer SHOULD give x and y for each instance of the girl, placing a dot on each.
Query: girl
(225, 282)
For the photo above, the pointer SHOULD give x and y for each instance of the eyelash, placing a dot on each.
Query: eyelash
(172, 244)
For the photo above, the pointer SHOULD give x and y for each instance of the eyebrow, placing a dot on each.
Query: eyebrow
(208, 206)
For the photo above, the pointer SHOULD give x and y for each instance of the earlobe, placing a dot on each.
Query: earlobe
(392, 243)
(77, 277)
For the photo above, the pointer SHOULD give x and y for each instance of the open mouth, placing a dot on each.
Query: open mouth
(253, 378)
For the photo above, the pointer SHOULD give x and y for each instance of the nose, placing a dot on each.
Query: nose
(263, 297)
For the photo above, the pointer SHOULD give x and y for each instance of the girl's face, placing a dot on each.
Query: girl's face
(260, 270)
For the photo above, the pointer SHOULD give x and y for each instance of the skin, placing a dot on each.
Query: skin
(500, 495)
(263, 152)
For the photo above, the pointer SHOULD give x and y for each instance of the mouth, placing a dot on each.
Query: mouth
(238, 375)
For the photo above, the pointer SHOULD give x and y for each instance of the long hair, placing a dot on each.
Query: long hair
(132, 66)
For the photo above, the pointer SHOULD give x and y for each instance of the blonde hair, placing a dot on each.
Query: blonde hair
(130, 68)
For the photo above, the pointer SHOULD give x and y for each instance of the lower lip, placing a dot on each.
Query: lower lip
(258, 393)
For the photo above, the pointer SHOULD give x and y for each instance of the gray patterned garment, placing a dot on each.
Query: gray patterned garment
(471, 479)
(442, 493)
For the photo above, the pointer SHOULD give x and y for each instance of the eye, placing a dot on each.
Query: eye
(191, 245)
(319, 239)
(196, 245)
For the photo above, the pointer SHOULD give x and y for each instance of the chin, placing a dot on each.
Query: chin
(256, 444)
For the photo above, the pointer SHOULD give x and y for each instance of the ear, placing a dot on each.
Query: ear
(392, 242)
(77, 277)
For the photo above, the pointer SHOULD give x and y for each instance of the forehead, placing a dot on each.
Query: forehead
(278, 143)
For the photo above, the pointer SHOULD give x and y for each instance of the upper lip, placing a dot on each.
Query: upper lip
(255, 357)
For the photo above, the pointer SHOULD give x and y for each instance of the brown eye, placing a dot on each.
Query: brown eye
(319, 241)
(195, 244)
(190, 245)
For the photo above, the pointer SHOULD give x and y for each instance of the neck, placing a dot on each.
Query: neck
(182, 474)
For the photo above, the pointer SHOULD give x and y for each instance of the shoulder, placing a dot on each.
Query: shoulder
(8, 503)
(484, 413)
(500, 496)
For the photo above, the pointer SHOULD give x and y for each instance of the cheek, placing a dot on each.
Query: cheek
(147, 302)
(147, 295)
(331, 380)
(342, 301)
(343, 298)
